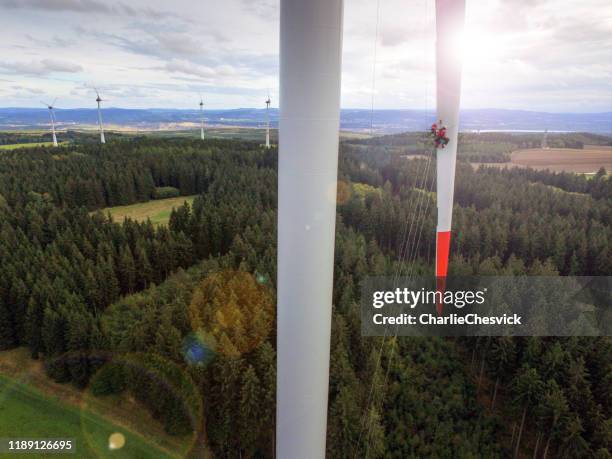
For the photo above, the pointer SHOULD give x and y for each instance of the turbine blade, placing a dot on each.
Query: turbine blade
(54, 100)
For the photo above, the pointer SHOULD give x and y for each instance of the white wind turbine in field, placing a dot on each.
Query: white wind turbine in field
(201, 118)
(52, 118)
(100, 127)
(268, 121)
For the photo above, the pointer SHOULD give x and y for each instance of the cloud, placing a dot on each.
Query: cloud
(182, 44)
(153, 40)
(265, 9)
(30, 90)
(86, 6)
(393, 36)
(53, 42)
(40, 68)
(520, 53)
(189, 68)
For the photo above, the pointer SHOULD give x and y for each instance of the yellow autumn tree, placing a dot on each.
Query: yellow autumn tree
(235, 309)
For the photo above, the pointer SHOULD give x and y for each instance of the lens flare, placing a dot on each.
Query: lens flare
(261, 278)
(198, 349)
(116, 441)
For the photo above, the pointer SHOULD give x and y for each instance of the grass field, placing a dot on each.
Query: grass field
(14, 146)
(27, 413)
(230, 132)
(158, 211)
(123, 412)
(581, 161)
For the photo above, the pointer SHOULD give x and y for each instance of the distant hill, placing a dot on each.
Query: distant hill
(383, 121)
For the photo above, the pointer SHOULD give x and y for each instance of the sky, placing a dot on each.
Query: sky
(542, 55)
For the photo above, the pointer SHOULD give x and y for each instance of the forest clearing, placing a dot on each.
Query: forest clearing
(158, 211)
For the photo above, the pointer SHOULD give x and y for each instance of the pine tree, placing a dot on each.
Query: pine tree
(528, 387)
(344, 423)
(249, 412)
(265, 366)
(53, 332)
(127, 270)
(554, 407)
(502, 358)
(34, 320)
(168, 342)
(573, 444)
(7, 336)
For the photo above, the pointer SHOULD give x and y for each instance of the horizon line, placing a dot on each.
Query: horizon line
(342, 108)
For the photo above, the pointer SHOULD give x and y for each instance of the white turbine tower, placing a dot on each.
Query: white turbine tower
(201, 118)
(100, 127)
(310, 64)
(52, 118)
(268, 121)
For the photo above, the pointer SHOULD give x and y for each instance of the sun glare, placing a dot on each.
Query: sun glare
(477, 48)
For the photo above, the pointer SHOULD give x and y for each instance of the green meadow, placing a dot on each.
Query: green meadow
(14, 146)
(27, 413)
(158, 211)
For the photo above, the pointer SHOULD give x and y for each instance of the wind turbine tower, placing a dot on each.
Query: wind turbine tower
(201, 118)
(309, 125)
(52, 118)
(98, 100)
(268, 122)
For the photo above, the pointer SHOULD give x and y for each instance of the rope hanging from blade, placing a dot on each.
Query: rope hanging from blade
(449, 24)
(408, 254)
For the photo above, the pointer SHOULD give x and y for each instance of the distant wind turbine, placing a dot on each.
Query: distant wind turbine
(545, 140)
(52, 118)
(201, 118)
(268, 121)
(98, 100)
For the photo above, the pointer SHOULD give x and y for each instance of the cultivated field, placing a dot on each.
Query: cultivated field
(158, 211)
(582, 161)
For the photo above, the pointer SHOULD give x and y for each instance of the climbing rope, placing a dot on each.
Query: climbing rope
(409, 242)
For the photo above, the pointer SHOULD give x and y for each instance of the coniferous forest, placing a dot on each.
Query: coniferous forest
(182, 316)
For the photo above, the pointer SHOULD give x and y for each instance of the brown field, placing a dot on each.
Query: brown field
(586, 161)
(581, 161)
(415, 156)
